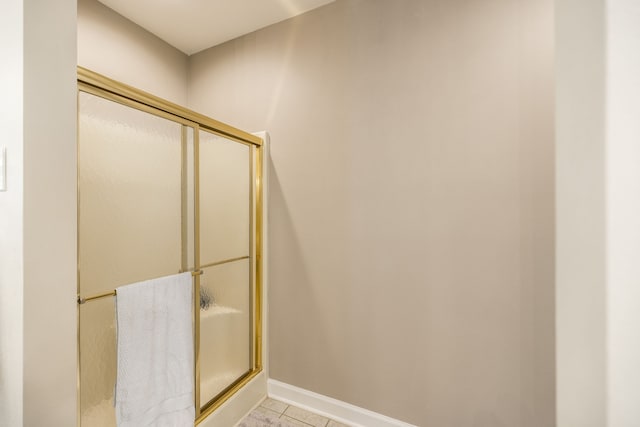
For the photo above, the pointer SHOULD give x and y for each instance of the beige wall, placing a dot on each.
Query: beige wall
(37, 215)
(580, 187)
(111, 45)
(622, 165)
(598, 227)
(49, 213)
(11, 278)
(412, 231)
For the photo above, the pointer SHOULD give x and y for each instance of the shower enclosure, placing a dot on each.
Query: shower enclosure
(163, 190)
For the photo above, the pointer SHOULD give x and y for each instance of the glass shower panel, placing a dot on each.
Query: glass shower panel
(225, 326)
(135, 223)
(159, 194)
(225, 185)
(130, 177)
(97, 363)
(188, 196)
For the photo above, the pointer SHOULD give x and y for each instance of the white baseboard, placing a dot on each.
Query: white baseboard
(331, 408)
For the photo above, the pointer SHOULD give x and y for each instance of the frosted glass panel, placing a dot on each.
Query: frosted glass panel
(97, 363)
(224, 198)
(130, 226)
(188, 195)
(137, 221)
(225, 326)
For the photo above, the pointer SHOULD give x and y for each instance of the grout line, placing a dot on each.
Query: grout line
(300, 421)
(282, 414)
(279, 413)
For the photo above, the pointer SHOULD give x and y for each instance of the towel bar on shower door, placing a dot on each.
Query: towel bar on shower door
(113, 293)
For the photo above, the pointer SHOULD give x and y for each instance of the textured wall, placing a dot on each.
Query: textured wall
(412, 202)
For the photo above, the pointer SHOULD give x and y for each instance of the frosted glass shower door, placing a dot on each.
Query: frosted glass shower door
(225, 248)
(130, 227)
(163, 190)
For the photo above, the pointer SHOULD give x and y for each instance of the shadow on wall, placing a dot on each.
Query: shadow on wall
(291, 288)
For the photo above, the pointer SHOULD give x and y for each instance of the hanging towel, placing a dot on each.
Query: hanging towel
(154, 384)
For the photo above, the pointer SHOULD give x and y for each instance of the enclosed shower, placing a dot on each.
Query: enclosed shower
(164, 190)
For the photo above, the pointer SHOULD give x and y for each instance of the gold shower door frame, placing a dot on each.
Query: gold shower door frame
(106, 88)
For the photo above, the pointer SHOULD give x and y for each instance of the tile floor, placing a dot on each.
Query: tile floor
(292, 415)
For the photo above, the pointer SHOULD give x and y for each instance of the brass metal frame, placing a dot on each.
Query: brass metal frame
(104, 87)
(196, 260)
(92, 79)
(114, 292)
(225, 261)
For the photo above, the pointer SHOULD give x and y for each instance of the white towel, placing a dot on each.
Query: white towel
(154, 385)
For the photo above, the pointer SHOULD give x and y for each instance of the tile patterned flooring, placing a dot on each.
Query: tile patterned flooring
(271, 409)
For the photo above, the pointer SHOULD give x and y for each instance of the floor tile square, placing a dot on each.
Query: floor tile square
(294, 421)
(307, 417)
(267, 411)
(274, 405)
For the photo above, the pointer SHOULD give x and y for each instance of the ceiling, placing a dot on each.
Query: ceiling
(195, 25)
